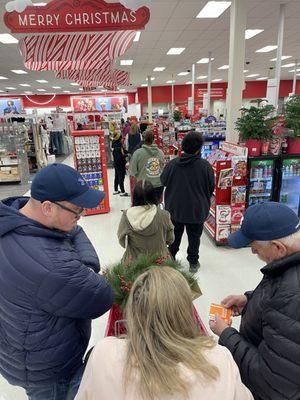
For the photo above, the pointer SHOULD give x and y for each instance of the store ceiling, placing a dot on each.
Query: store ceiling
(173, 24)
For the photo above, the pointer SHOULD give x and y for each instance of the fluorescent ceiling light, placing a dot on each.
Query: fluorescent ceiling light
(126, 62)
(213, 9)
(175, 51)
(292, 70)
(216, 80)
(74, 84)
(41, 90)
(24, 84)
(202, 77)
(81, 89)
(246, 70)
(170, 82)
(10, 88)
(224, 67)
(266, 49)
(39, 4)
(56, 87)
(252, 76)
(122, 90)
(144, 84)
(6, 38)
(250, 33)
(204, 60)
(288, 65)
(137, 36)
(188, 83)
(28, 92)
(19, 71)
(152, 78)
(1, 91)
(183, 73)
(42, 81)
(263, 78)
(66, 91)
(159, 69)
(3, 78)
(282, 58)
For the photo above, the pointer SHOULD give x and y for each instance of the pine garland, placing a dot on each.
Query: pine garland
(121, 277)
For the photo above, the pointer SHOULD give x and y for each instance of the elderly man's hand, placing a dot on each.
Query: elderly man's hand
(218, 325)
(236, 303)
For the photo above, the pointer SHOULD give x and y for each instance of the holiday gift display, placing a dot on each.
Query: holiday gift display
(90, 162)
(228, 201)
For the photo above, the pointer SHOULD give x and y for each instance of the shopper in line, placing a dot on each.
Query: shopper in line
(190, 183)
(147, 163)
(133, 138)
(119, 157)
(50, 288)
(145, 228)
(266, 349)
(163, 356)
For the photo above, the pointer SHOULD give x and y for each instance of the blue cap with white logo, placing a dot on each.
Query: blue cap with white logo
(266, 221)
(59, 182)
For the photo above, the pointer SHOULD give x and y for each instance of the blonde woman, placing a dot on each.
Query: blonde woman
(163, 356)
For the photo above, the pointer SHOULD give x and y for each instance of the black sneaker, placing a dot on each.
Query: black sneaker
(124, 194)
(114, 193)
(194, 267)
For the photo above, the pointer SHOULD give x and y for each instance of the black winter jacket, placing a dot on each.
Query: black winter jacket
(190, 183)
(119, 154)
(267, 349)
(49, 292)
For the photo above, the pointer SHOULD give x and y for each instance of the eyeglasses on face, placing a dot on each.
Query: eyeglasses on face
(63, 207)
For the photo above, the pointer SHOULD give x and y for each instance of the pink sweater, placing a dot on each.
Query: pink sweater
(103, 377)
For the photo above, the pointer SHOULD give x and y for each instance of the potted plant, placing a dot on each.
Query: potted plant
(291, 114)
(256, 126)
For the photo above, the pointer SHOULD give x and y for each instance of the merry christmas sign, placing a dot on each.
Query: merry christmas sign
(75, 16)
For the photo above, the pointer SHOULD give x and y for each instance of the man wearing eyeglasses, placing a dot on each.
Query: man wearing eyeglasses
(50, 288)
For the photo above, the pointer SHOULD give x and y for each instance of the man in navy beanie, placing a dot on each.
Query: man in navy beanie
(267, 347)
(50, 288)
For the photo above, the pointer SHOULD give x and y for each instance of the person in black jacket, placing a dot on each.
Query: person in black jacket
(119, 157)
(189, 182)
(267, 347)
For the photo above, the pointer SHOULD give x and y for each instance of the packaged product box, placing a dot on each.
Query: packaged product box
(225, 178)
(237, 214)
(238, 195)
(222, 232)
(239, 165)
(235, 228)
(223, 215)
(224, 313)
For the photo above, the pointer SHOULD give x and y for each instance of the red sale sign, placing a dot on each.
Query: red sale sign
(76, 16)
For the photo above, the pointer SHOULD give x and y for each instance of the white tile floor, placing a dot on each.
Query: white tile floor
(223, 271)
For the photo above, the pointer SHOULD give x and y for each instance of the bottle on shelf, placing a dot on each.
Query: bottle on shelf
(284, 147)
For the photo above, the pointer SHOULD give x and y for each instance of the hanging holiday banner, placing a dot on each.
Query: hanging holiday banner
(75, 16)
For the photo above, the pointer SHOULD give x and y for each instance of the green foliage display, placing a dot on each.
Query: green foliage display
(256, 122)
(121, 277)
(291, 114)
(177, 115)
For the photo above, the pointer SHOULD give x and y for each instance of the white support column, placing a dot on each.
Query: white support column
(295, 78)
(279, 52)
(209, 84)
(173, 98)
(193, 88)
(238, 14)
(149, 98)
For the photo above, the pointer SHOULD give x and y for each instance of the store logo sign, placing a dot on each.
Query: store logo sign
(76, 16)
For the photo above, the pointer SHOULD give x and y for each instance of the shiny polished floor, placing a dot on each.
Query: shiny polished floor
(223, 271)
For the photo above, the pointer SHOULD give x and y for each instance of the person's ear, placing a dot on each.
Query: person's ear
(47, 208)
(281, 250)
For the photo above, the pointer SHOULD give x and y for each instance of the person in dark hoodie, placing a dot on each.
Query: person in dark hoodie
(147, 163)
(189, 182)
(145, 228)
(50, 288)
(119, 157)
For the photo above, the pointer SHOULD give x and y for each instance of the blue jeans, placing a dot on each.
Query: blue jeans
(63, 389)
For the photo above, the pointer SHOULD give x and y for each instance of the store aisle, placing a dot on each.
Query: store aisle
(223, 271)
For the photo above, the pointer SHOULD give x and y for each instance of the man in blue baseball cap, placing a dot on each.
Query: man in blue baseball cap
(267, 347)
(50, 288)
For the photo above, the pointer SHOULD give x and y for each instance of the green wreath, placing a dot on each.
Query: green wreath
(121, 277)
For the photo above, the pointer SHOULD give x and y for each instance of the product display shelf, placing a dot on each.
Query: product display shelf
(228, 201)
(90, 161)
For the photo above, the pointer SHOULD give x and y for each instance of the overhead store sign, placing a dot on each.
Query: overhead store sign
(214, 92)
(76, 16)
